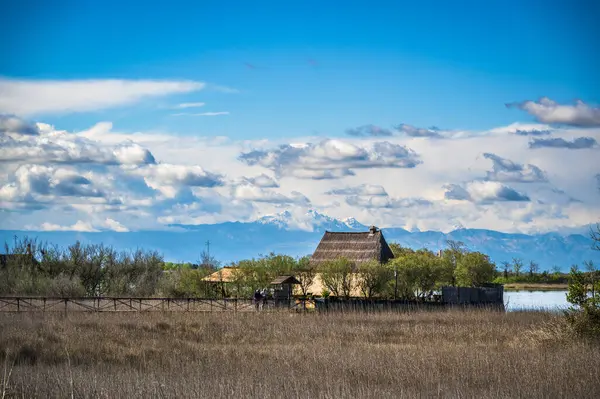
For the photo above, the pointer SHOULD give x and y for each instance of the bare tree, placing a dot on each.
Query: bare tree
(533, 268)
(517, 266)
(595, 236)
(506, 268)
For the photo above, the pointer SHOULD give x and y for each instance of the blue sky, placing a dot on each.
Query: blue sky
(318, 68)
(196, 105)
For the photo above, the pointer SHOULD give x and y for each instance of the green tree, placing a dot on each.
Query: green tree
(373, 277)
(584, 294)
(337, 276)
(399, 250)
(306, 273)
(474, 269)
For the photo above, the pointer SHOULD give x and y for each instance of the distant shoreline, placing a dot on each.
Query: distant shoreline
(535, 287)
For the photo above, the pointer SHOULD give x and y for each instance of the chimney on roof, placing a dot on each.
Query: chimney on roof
(372, 230)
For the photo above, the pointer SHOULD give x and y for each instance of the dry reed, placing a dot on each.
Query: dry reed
(388, 355)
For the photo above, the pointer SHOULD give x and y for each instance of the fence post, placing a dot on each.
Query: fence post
(18, 305)
(66, 304)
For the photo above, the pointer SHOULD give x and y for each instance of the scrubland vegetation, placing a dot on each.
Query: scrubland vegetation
(272, 355)
(35, 268)
(452, 353)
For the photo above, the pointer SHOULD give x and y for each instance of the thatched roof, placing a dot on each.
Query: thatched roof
(225, 275)
(356, 247)
(285, 280)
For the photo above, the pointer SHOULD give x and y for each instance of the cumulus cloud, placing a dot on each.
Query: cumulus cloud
(257, 194)
(413, 131)
(138, 194)
(39, 180)
(374, 196)
(577, 144)
(169, 178)
(505, 170)
(330, 159)
(34, 97)
(369, 131)
(533, 132)
(261, 180)
(12, 124)
(483, 192)
(114, 225)
(81, 226)
(385, 202)
(363, 189)
(50, 146)
(548, 111)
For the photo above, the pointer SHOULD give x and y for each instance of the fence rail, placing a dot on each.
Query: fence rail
(106, 304)
(116, 304)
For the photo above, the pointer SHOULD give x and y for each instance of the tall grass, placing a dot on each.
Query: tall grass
(391, 355)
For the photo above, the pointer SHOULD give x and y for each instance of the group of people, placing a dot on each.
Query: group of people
(260, 297)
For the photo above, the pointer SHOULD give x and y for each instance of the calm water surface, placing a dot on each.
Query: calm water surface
(536, 300)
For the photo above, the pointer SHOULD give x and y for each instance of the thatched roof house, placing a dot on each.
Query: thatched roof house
(356, 247)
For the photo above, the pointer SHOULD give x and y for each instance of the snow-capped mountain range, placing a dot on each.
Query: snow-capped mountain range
(298, 235)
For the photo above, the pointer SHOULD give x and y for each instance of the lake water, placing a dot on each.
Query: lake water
(536, 300)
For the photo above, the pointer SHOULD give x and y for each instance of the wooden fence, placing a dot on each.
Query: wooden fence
(106, 304)
(113, 304)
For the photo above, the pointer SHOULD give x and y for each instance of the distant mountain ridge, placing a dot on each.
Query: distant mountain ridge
(299, 235)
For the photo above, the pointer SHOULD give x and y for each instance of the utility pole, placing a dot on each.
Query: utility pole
(396, 283)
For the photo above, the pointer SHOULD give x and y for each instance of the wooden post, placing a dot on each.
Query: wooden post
(188, 305)
(66, 304)
(115, 304)
(18, 306)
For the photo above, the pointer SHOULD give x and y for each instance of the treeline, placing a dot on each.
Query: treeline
(518, 271)
(33, 268)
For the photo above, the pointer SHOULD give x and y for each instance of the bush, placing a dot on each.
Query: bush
(584, 295)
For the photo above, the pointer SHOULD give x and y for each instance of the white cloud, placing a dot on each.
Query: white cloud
(262, 180)
(52, 146)
(202, 114)
(363, 189)
(196, 179)
(505, 170)
(331, 159)
(483, 192)
(80, 226)
(549, 111)
(167, 178)
(35, 97)
(257, 194)
(189, 105)
(114, 225)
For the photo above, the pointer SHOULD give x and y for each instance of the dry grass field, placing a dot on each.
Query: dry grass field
(387, 355)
